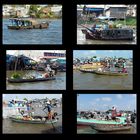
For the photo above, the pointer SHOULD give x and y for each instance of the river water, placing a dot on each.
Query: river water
(13, 127)
(82, 40)
(89, 130)
(89, 81)
(58, 84)
(51, 35)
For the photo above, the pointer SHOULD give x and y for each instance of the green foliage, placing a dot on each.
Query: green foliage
(16, 76)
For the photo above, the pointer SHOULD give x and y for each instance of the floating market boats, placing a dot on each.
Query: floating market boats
(31, 121)
(20, 80)
(21, 23)
(110, 73)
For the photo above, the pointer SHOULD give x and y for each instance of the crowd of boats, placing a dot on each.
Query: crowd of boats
(107, 66)
(21, 62)
(107, 121)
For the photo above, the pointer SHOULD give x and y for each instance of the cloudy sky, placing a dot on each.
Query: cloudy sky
(11, 96)
(102, 53)
(106, 101)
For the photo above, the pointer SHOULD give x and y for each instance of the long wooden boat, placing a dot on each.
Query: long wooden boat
(111, 127)
(87, 70)
(20, 120)
(30, 80)
(21, 23)
(111, 73)
(109, 34)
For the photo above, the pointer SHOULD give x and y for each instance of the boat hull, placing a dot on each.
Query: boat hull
(30, 80)
(87, 70)
(14, 119)
(110, 127)
(105, 36)
(111, 73)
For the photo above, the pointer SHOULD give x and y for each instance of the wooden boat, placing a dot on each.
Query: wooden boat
(109, 34)
(30, 80)
(20, 120)
(87, 70)
(21, 23)
(110, 73)
(111, 127)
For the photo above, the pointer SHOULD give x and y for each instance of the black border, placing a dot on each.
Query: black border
(69, 43)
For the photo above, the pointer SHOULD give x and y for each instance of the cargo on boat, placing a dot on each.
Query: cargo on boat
(21, 23)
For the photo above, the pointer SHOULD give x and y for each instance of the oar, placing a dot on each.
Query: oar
(51, 123)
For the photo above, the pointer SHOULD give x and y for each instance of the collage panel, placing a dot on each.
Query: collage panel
(107, 113)
(106, 24)
(102, 69)
(32, 24)
(35, 69)
(32, 113)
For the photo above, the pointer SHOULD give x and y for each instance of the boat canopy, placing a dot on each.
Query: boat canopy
(22, 22)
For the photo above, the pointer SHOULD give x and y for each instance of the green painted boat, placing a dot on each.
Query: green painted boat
(35, 121)
(83, 121)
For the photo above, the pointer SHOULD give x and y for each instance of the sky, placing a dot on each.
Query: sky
(106, 101)
(102, 53)
(8, 97)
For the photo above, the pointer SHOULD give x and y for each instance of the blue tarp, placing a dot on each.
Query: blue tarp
(94, 9)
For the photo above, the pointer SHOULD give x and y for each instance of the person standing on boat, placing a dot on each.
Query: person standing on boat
(114, 113)
(124, 70)
(49, 108)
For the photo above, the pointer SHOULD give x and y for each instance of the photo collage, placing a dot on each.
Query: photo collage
(69, 68)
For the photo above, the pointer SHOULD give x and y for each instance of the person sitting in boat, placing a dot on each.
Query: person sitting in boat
(49, 70)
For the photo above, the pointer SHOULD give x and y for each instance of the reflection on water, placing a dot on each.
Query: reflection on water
(81, 40)
(89, 130)
(13, 127)
(59, 83)
(102, 82)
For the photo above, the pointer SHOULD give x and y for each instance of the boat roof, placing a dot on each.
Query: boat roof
(24, 19)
